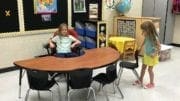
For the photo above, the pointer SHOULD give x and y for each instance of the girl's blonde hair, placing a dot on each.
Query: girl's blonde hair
(150, 30)
(61, 26)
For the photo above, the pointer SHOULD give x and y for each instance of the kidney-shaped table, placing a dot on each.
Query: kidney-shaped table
(92, 59)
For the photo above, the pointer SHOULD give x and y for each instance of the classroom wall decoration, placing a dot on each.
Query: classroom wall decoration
(45, 6)
(9, 16)
(93, 11)
(79, 6)
(84, 16)
(127, 28)
(51, 17)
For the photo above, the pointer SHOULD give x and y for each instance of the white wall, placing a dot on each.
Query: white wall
(136, 9)
(22, 47)
(176, 37)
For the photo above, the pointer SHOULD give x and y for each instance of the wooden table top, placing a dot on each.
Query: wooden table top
(93, 58)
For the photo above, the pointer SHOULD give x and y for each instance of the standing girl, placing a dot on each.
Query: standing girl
(64, 42)
(151, 49)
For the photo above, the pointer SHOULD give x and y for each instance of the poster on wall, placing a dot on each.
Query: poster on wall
(45, 6)
(9, 16)
(93, 11)
(54, 13)
(79, 6)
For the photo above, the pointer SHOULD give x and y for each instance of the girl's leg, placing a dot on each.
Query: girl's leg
(151, 74)
(140, 81)
(143, 70)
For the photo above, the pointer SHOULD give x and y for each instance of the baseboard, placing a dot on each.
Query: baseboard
(174, 44)
(8, 69)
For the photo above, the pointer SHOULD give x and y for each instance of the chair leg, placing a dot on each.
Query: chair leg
(100, 86)
(51, 95)
(27, 94)
(119, 75)
(120, 91)
(88, 92)
(59, 91)
(94, 95)
(114, 87)
(68, 98)
(39, 95)
(137, 75)
(105, 94)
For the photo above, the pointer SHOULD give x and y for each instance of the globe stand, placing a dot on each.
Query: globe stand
(121, 14)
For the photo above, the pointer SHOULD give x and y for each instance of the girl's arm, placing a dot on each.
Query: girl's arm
(140, 48)
(51, 44)
(76, 41)
(158, 46)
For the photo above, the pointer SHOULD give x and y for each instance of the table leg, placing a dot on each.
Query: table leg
(67, 82)
(20, 81)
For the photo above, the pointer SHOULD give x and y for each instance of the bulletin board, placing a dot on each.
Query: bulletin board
(84, 16)
(127, 27)
(34, 20)
(9, 16)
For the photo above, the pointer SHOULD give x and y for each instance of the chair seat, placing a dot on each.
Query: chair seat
(46, 87)
(128, 65)
(102, 78)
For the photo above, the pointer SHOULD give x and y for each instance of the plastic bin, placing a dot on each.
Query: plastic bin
(80, 31)
(165, 53)
(90, 33)
(90, 43)
(83, 41)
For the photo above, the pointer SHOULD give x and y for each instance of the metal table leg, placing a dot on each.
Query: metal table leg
(20, 81)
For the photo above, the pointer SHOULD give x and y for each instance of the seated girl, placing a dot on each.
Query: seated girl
(64, 42)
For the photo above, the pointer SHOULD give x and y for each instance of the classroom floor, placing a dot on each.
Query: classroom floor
(167, 83)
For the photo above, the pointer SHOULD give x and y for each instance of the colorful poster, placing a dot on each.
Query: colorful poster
(45, 6)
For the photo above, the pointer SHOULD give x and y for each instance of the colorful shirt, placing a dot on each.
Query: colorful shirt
(149, 46)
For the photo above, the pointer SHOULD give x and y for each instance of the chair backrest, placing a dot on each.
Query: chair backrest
(111, 73)
(80, 78)
(73, 33)
(38, 80)
(129, 49)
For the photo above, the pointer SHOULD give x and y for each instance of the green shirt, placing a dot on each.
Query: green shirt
(149, 46)
(63, 43)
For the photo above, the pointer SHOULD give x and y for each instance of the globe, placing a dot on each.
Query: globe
(123, 6)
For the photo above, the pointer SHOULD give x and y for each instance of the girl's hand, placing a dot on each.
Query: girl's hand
(73, 45)
(153, 54)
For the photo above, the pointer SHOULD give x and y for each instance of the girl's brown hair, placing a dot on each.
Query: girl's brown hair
(150, 30)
